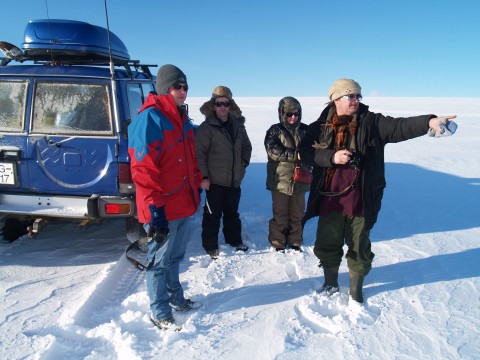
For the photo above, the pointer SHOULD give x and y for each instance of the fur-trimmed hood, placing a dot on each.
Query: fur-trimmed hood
(286, 105)
(208, 108)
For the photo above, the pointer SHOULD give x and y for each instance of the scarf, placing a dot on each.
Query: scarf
(342, 126)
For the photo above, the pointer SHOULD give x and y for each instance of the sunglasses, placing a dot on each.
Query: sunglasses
(222, 103)
(180, 87)
(353, 97)
(290, 114)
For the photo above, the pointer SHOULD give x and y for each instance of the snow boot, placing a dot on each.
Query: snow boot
(187, 305)
(330, 286)
(214, 254)
(241, 247)
(166, 324)
(356, 284)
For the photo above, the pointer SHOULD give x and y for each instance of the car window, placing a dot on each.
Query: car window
(12, 105)
(137, 93)
(71, 108)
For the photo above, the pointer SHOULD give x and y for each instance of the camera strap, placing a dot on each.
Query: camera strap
(351, 186)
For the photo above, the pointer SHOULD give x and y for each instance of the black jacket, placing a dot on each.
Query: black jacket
(281, 143)
(374, 132)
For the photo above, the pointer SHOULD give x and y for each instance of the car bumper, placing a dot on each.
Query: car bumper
(67, 207)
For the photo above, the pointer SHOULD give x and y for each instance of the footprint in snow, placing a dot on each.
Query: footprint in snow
(335, 313)
(291, 270)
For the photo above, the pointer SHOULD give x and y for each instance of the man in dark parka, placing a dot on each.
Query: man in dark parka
(346, 148)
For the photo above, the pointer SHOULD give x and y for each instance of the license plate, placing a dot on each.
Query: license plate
(8, 173)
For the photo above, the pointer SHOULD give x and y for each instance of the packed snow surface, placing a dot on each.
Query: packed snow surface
(71, 294)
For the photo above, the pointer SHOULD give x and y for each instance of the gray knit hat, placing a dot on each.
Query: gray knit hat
(167, 76)
(343, 87)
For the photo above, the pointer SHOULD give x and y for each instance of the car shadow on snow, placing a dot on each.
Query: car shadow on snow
(65, 244)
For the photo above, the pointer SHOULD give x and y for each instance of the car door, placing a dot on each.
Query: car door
(71, 146)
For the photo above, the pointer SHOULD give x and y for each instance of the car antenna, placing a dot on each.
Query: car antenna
(112, 71)
(49, 32)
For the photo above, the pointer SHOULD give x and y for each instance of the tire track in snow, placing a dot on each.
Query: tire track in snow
(99, 318)
(104, 304)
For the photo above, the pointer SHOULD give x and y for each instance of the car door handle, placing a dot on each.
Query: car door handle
(51, 142)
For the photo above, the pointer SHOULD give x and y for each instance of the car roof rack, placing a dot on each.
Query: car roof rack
(13, 53)
(68, 42)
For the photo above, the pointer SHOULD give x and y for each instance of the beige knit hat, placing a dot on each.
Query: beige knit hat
(343, 87)
(208, 109)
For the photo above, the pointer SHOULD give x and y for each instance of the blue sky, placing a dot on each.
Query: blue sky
(277, 48)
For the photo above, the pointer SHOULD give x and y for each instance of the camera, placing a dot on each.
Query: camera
(355, 160)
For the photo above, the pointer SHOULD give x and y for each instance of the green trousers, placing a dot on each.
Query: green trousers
(336, 230)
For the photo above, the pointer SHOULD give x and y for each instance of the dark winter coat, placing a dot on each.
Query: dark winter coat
(281, 143)
(374, 132)
(221, 159)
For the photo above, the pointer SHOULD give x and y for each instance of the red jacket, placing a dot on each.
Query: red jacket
(164, 167)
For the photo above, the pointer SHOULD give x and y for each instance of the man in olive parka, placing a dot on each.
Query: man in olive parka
(223, 152)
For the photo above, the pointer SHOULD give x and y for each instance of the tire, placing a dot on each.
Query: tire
(2, 224)
(134, 229)
(11, 229)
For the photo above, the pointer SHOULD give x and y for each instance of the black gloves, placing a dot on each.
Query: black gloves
(158, 224)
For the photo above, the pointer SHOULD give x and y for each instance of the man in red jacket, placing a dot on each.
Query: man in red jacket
(166, 176)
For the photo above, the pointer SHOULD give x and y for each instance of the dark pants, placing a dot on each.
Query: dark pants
(333, 232)
(286, 225)
(223, 200)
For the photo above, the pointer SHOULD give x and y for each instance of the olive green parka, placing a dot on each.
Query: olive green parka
(220, 158)
(281, 143)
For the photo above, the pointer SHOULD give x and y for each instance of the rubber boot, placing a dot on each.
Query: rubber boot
(331, 276)
(331, 281)
(356, 285)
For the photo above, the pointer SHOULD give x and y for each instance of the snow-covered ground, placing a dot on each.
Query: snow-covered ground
(71, 294)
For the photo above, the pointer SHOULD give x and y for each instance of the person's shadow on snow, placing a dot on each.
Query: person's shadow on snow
(421, 201)
(436, 268)
(259, 294)
(404, 274)
(416, 201)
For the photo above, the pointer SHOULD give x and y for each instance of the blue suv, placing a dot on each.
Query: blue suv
(66, 99)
